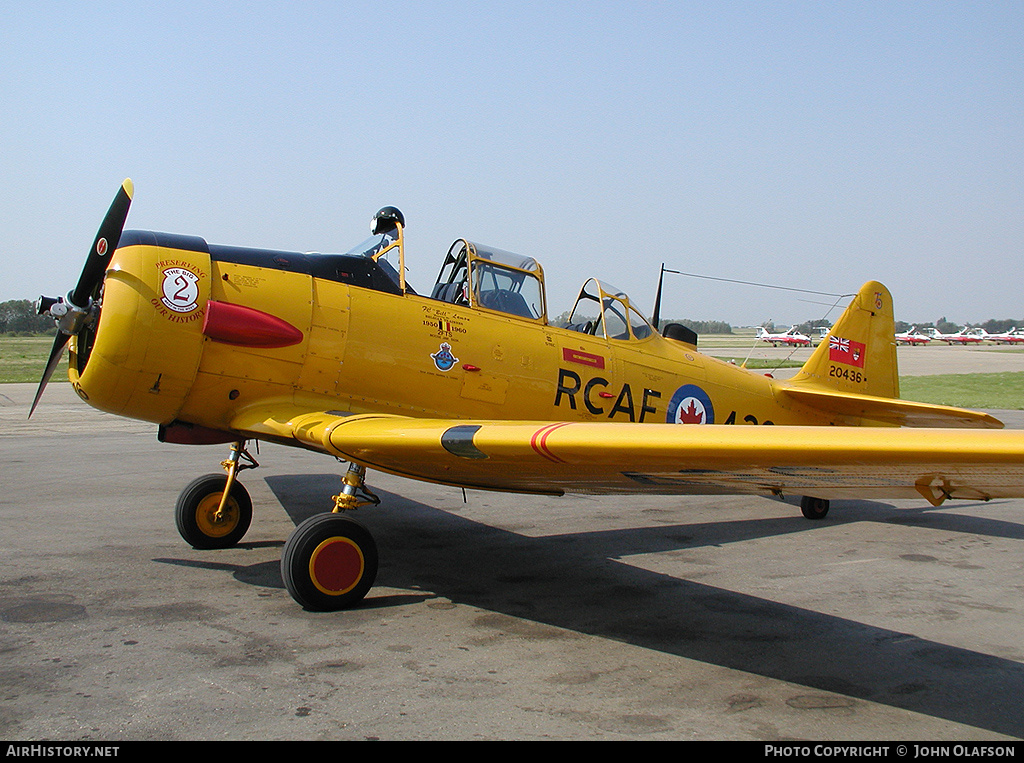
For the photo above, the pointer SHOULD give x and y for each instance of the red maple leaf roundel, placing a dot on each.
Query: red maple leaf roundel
(690, 405)
(692, 413)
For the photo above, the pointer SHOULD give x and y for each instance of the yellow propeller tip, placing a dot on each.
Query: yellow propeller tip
(129, 187)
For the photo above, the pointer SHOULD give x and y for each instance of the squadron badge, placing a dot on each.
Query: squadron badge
(443, 358)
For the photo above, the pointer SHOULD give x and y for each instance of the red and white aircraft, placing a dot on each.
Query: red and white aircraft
(791, 337)
(1007, 337)
(960, 337)
(912, 337)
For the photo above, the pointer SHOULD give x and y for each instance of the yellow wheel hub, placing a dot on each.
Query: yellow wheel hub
(216, 524)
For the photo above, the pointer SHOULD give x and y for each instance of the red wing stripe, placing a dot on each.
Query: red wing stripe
(539, 442)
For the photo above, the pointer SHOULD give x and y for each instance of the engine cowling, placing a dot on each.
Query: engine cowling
(141, 357)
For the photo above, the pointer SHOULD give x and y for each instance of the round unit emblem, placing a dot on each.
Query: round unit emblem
(690, 405)
(444, 360)
(180, 290)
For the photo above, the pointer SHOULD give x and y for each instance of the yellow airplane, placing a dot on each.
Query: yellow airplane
(473, 386)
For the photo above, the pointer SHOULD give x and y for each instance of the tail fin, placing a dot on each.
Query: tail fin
(859, 354)
(852, 373)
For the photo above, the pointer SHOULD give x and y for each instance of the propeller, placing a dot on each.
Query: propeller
(77, 310)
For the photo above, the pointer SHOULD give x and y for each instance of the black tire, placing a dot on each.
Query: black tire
(197, 505)
(329, 563)
(814, 508)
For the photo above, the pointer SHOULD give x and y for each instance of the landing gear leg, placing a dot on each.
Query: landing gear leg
(329, 561)
(215, 511)
(814, 508)
(354, 492)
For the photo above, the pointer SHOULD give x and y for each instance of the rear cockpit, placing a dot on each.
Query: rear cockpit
(603, 310)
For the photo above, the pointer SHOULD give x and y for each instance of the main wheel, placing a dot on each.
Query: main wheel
(329, 562)
(814, 508)
(198, 520)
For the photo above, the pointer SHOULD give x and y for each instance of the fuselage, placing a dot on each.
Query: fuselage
(190, 334)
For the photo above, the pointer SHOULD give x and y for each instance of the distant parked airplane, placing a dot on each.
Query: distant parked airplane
(912, 337)
(960, 337)
(1007, 337)
(791, 337)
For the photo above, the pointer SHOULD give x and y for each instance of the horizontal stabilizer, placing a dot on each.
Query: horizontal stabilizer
(896, 412)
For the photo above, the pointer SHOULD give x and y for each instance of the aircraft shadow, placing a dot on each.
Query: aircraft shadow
(575, 582)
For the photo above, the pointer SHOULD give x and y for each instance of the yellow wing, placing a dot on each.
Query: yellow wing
(621, 458)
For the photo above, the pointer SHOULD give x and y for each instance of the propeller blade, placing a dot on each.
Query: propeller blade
(55, 353)
(103, 246)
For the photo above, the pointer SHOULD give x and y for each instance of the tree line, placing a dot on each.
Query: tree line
(18, 316)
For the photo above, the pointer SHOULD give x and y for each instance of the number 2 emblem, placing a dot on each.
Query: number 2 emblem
(180, 290)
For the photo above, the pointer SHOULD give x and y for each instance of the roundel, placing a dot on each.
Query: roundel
(690, 405)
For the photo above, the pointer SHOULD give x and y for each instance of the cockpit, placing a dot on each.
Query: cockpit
(376, 249)
(484, 277)
(603, 310)
(387, 239)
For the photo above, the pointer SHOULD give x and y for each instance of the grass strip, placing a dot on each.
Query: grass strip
(1003, 390)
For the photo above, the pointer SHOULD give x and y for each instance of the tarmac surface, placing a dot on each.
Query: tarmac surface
(493, 616)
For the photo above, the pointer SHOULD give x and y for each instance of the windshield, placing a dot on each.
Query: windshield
(374, 246)
(379, 249)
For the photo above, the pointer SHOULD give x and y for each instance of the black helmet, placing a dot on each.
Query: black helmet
(385, 220)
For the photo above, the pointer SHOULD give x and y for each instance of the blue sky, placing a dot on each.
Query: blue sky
(806, 144)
